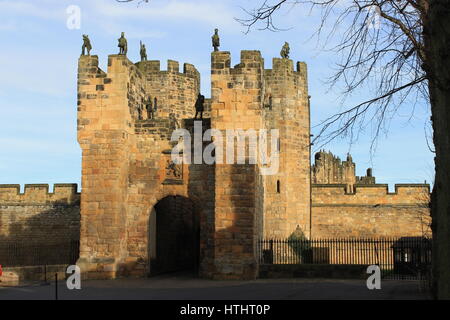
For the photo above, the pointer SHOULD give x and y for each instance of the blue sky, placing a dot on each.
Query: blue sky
(38, 64)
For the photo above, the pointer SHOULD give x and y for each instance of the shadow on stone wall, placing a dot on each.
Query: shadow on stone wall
(201, 190)
(236, 243)
(40, 234)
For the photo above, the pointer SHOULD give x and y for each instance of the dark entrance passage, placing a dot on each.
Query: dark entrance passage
(174, 236)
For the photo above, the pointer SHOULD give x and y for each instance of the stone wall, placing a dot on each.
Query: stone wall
(38, 217)
(370, 211)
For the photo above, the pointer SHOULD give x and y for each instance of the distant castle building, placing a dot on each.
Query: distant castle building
(329, 169)
(140, 213)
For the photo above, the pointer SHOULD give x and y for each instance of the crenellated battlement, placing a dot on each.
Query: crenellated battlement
(88, 67)
(64, 193)
(282, 66)
(252, 60)
(116, 99)
(173, 67)
(371, 195)
(250, 73)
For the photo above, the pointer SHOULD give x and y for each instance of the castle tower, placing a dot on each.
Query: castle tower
(104, 136)
(287, 193)
(236, 105)
(250, 205)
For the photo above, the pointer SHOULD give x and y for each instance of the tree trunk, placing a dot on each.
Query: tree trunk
(437, 41)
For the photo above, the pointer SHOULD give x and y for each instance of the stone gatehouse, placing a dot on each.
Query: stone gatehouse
(140, 213)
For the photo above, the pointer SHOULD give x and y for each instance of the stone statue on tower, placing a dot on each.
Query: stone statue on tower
(86, 45)
(143, 52)
(123, 46)
(199, 106)
(216, 40)
(285, 51)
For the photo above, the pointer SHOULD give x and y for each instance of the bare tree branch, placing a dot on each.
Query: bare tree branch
(389, 56)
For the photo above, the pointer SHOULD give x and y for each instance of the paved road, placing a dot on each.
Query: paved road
(185, 288)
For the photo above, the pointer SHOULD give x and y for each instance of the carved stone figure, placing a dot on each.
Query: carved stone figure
(216, 40)
(155, 105)
(173, 170)
(268, 101)
(143, 52)
(149, 108)
(285, 51)
(199, 107)
(86, 45)
(123, 45)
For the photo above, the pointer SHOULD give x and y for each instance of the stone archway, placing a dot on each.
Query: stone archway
(174, 241)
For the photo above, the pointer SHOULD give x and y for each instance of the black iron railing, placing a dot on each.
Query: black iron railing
(17, 254)
(399, 258)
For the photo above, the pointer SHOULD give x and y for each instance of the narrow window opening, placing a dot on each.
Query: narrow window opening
(278, 186)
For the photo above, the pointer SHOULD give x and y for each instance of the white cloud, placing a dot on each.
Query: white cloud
(213, 13)
(106, 14)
